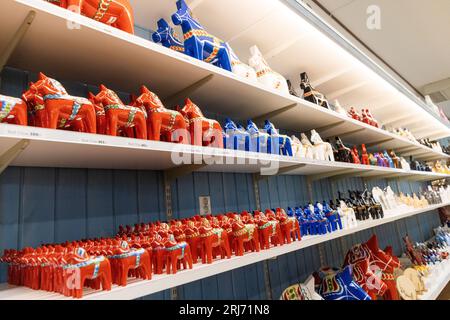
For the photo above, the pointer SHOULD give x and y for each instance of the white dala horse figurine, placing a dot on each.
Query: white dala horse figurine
(310, 149)
(324, 150)
(339, 108)
(348, 216)
(298, 150)
(265, 74)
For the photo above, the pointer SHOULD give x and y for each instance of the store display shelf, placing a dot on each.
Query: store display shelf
(441, 278)
(66, 149)
(138, 288)
(87, 43)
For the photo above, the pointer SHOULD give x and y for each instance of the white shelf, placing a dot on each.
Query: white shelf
(66, 149)
(160, 69)
(138, 288)
(440, 276)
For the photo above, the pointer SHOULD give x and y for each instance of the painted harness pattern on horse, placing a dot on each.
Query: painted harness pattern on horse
(136, 253)
(205, 36)
(7, 105)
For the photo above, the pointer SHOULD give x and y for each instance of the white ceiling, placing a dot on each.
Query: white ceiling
(413, 39)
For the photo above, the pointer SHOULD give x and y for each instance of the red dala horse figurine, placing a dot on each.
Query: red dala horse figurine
(204, 132)
(161, 121)
(120, 118)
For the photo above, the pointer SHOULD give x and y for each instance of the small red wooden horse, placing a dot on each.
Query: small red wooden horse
(244, 234)
(364, 155)
(204, 132)
(269, 231)
(161, 121)
(177, 253)
(81, 267)
(355, 155)
(62, 110)
(290, 228)
(194, 240)
(213, 239)
(13, 111)
(131, 121)
(117, 13)
(159, 256)
(125, 259)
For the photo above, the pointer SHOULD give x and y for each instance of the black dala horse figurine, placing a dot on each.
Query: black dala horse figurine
(310, 94)
(344, 154)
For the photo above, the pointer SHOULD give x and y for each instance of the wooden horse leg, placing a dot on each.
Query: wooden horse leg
(188, 256)
(124, 275)
(197, 133)
(112, 125)
(21, 115)
(91, 120)
(53, 116)
(141, 127)
(154, 133)
(196, 49)
(225, 59)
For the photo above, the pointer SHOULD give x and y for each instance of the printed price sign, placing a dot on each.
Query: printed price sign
(205, 205)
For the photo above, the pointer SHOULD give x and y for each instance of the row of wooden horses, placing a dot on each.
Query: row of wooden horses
(144, 249)
(47, 104)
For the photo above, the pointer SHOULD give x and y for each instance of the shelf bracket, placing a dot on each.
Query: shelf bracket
(281, 171)
(186, 92)
(270, 115)
(171, 175)
(376, 143)
(330, 126)
(326, 175)
(12, 153)
(17, 38)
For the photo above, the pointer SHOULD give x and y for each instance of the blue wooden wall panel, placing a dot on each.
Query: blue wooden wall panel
(151, 204)
(38, 207)
(225, 283)
(100, 204)
(70, 205)
(125, 198)
(10, 208)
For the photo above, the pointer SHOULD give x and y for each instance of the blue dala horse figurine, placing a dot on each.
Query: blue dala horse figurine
(333, 217)
(301, 218)
(236, 137)
(280, 144)
(200, 44)
(335, 284)
(259, 141)
(317, 225)
(167, 37)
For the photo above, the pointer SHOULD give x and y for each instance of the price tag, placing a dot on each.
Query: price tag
(205, 205)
